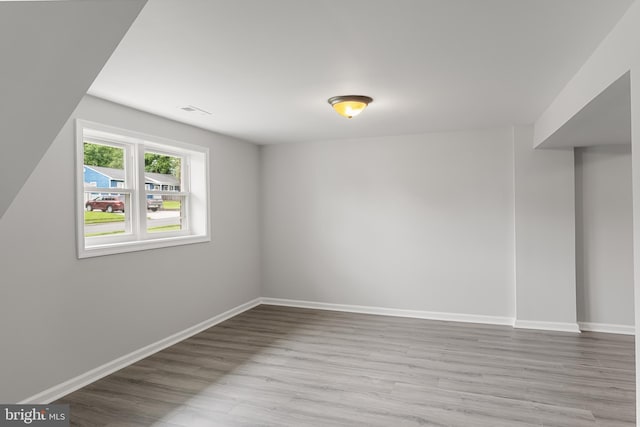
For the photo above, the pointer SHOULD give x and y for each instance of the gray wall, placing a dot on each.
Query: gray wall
(604, 235)
(421, 222)
(62, 316)
(545, 233)
(473, 223)
(635, 176)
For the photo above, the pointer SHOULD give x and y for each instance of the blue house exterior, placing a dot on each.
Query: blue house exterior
(101, 177)
(97, 176)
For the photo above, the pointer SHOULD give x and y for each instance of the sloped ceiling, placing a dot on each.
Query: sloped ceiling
(50, 53)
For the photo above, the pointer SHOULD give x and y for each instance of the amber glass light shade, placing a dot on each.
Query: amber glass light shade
(349, 105)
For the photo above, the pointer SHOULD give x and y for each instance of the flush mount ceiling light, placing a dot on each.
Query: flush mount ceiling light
(349, 105)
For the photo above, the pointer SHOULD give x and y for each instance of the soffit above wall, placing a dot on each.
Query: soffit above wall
(603, 121)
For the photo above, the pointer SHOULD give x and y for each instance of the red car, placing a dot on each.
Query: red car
(105, 203)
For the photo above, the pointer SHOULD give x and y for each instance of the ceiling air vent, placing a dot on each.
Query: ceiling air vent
(194, 109)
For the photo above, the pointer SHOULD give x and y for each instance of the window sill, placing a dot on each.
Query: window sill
(134, 246)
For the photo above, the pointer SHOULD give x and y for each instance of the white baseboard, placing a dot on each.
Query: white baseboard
(431, 315)
(607, 328)
(62, 389)
(547, 326)
(82, 380)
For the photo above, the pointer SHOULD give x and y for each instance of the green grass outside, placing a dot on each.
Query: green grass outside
(171, 204)
(150, 230)
(96, 217)
(163, 228)
(106, 233)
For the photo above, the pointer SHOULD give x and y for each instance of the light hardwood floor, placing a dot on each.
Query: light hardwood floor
(281, 366)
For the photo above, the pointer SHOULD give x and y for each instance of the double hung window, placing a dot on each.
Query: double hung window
(138, 192)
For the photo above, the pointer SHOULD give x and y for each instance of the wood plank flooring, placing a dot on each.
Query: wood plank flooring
(278, 366)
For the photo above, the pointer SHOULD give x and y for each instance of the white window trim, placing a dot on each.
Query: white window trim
(197, 222)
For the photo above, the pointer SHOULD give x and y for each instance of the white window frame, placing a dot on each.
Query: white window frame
(194, 191)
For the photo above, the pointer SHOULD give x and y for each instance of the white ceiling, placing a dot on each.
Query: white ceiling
(265, 69)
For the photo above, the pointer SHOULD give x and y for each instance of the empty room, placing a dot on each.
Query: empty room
(319, 213)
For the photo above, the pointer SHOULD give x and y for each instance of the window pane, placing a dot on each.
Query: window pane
(162, 172)
(103, 166)
(105, 214)
(165, 213)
